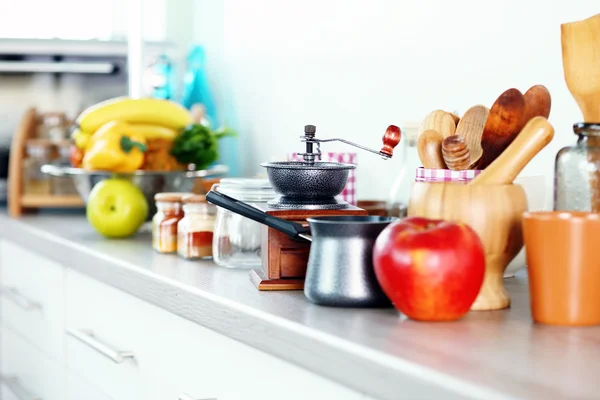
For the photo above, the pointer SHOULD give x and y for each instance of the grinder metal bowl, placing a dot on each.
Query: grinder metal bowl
(301, 182)
(308, 181)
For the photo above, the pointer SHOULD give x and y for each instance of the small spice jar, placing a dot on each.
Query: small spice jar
(195, 230)
(164, 222)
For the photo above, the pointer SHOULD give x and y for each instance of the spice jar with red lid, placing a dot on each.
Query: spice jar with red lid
(195, 230)
(164, 222)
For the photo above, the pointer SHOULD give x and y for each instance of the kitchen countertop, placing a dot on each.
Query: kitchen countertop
(486, 355)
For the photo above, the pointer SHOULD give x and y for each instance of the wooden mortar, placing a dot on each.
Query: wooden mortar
(493, 211)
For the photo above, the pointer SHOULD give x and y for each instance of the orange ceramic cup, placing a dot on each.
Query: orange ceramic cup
(563, 261)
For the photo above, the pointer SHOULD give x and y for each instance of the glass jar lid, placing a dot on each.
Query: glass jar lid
(246, 189)
(587, 128)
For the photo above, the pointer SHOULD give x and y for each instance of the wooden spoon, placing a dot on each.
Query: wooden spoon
(470, 127)
(439, 121)
(581, 64)
(429, 147)
(537, 102)
(455, 117)
(534, 137)
(503, 124)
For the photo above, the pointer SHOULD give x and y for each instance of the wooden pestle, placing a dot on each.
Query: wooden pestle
(536, 134)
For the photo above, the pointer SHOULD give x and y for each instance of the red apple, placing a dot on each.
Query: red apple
(431, 270)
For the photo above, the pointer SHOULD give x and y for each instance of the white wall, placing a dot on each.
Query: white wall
(352, 67)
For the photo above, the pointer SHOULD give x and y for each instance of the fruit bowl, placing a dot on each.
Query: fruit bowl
(149, 182)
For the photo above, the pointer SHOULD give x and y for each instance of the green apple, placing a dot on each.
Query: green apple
(116, 208)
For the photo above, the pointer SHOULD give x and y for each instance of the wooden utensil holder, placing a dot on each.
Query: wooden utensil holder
(18, 200)
(284, 260)
(494, 212)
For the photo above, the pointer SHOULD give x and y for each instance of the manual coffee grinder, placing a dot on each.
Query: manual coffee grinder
(307, 189)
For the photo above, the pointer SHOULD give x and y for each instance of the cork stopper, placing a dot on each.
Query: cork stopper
(194, 199)
(456, 153)
(171, 197)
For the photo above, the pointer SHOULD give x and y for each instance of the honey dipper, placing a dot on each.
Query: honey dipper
(456, 153)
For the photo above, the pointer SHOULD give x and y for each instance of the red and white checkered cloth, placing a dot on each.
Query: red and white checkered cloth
(445, 175)
(349, 192)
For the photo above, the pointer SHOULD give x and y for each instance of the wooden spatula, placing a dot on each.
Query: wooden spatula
(503, 124)
(470, 127)
(439, 121)
(581, 64)
(534, 137)
(429, 147)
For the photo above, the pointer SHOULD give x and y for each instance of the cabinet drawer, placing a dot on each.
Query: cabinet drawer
(99, 346)
(176, 356)
(78, 389)
(205, 364)
(31, 302)
(26, 372)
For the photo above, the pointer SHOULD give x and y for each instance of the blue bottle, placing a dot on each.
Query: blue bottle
(162, 79)
(196, 90)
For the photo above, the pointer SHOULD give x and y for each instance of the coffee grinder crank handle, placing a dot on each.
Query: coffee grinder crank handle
(391, 138)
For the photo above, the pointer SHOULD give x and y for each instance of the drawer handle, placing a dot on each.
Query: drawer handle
(87, 337)
(13, 294)
(13, 384)
(186, 396)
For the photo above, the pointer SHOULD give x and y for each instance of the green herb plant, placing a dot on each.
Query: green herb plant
(198, 145)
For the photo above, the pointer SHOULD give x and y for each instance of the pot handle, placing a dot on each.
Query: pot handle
(292, 229)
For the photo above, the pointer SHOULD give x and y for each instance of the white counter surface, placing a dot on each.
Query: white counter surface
(486, 355)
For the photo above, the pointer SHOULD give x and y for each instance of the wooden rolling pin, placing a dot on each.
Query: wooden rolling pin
(503, 170)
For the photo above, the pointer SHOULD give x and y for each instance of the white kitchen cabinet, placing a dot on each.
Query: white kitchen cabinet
(32, 297)
(68, 336)
(26, 372)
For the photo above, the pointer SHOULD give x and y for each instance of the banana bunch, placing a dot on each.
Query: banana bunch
(151, 118)
(148, 118)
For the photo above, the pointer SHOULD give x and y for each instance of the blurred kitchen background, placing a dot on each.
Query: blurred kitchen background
(269, 67)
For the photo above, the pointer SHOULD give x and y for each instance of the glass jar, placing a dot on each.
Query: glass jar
(237, 239)
(39, 152)
(577, 171)
(164, 223)
(63, 185)
(195, 230)
(406, 152)
(53, 127)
